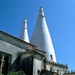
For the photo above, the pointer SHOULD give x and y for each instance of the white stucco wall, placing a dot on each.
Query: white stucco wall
(24, 32)
(37, 65)
(10, 49)
(41, 36)
(11, 46)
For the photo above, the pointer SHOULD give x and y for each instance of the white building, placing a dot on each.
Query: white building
(33, 58)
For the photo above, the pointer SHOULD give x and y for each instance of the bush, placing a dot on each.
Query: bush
(15, 73)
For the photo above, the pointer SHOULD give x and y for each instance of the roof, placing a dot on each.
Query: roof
(15, 38)
(32, 51)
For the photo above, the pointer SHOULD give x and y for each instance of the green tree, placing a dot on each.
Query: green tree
(15, 73)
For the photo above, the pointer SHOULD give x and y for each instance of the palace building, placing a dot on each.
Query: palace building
(34, 57)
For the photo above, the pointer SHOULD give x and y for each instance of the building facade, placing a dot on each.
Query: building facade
(34, 58)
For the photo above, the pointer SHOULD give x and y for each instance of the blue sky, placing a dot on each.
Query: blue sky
(60, 18)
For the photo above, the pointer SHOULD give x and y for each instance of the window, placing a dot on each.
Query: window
(38, 71)
(51, 57)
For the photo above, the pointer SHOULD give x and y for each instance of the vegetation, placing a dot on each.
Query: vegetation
(15, 73)
(11, 73)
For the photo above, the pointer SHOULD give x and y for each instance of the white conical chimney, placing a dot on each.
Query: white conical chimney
(24, 32)
(41, 37)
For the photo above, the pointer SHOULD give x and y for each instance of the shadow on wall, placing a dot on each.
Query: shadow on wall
(26, 65)
(45, 72)
(15, 66)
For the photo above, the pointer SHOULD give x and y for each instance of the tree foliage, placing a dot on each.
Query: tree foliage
(15, 73)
